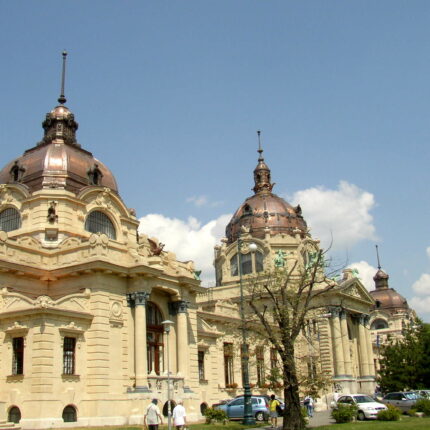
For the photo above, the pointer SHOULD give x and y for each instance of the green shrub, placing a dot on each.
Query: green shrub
(412, 412)
(390, 414)
(423, 405)
(215, 416)
(344, 413)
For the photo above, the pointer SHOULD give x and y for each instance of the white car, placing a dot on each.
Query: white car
(367, 407)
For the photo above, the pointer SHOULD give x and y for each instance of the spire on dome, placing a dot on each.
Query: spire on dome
(60, 125)
(261, 172)
(380, 278)
(62, 99)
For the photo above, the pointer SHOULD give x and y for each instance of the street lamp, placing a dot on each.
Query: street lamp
(248, 417)
(167, 324)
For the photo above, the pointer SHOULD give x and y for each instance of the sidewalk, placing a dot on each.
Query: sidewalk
(321, 418)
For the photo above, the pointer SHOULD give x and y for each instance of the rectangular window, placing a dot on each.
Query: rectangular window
(228, 364)
(18, 356)
(273, 358)
(246, 260)
(69, 351)
(201, 360)
(259, 355)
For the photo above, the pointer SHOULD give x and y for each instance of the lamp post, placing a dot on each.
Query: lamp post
(167, 324)
(248, 418)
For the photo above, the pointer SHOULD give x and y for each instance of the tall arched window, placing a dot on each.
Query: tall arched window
(250, 262)
(154, 336)
(10, 219)
(98, 222)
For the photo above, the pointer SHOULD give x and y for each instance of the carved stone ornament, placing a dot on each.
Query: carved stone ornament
(44, 302)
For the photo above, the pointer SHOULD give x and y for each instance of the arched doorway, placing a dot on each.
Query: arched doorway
(14, 415)
(69, 414)
(165, 407)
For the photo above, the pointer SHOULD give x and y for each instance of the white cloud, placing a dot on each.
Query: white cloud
(422, 285)
(189, 240)
(342, 215)
(366, 272)
(202, 200)
(421, 305)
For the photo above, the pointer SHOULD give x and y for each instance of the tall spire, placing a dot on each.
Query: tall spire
(62, 99)
(261, 172)
(377, 256)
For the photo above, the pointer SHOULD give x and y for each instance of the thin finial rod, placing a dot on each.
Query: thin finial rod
(62, 98)
(377, 256)
(260, 151)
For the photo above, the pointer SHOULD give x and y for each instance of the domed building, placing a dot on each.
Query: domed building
(83, 296)
(390, 314)
(266, 233)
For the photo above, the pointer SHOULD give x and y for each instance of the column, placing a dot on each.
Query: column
(364, 363)
(182, 338)
(345, 343)
(370, 356)
(339, 368)
(138, 301)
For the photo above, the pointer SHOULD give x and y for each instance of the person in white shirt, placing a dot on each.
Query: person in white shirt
(179, 415)
(152, 416)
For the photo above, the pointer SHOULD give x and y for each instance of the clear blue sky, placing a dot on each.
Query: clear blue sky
(169, 95)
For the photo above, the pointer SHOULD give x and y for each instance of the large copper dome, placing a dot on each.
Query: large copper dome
(58, 161)
(264, 211)
(385, 297)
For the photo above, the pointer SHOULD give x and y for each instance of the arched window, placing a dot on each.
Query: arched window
(203, 407)
(69, 414)
(154, 336)
(10, 219)
(98, 222)
(166, 407)
(14, 415)
(379, 324)
(250, 262)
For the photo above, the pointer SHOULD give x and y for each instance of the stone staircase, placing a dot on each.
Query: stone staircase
(4, 425)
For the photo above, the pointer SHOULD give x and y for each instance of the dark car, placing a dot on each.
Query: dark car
(404, 400)
(235, 408)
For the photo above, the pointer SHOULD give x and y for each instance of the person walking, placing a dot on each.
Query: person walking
(152, 416)
(179, 415)
(273, 405)
(309, 403)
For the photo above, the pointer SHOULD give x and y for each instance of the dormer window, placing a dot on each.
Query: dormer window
(16, 172)
(10, 220)
(95, 175)
(98, 222)
(247, 210)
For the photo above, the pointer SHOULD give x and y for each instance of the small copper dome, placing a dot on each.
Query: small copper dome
(385, 297)
(58, 161)
(264, 211)
(389, 299)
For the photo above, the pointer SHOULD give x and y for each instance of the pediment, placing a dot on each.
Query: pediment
(356, 290)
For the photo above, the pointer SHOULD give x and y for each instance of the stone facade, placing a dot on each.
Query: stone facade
(83, 298)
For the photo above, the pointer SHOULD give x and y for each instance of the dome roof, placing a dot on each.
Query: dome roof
(385, 297)
(58, 161)
(264, 211)
(389, 299)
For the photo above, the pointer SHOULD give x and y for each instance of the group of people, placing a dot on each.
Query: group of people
(275, 409)
(153, 416)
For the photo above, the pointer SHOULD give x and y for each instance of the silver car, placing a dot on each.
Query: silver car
(404, 400)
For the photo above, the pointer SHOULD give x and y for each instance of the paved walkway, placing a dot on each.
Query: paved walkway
(321, 418)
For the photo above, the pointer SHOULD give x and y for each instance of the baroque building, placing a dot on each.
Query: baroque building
(83, 297)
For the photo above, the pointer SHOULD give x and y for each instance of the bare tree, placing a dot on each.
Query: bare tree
(281, 302)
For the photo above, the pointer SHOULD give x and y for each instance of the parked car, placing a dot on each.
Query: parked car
(235, 408)
(404, 400)
(368, 408)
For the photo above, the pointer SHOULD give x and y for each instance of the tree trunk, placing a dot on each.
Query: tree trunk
(293, 419)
